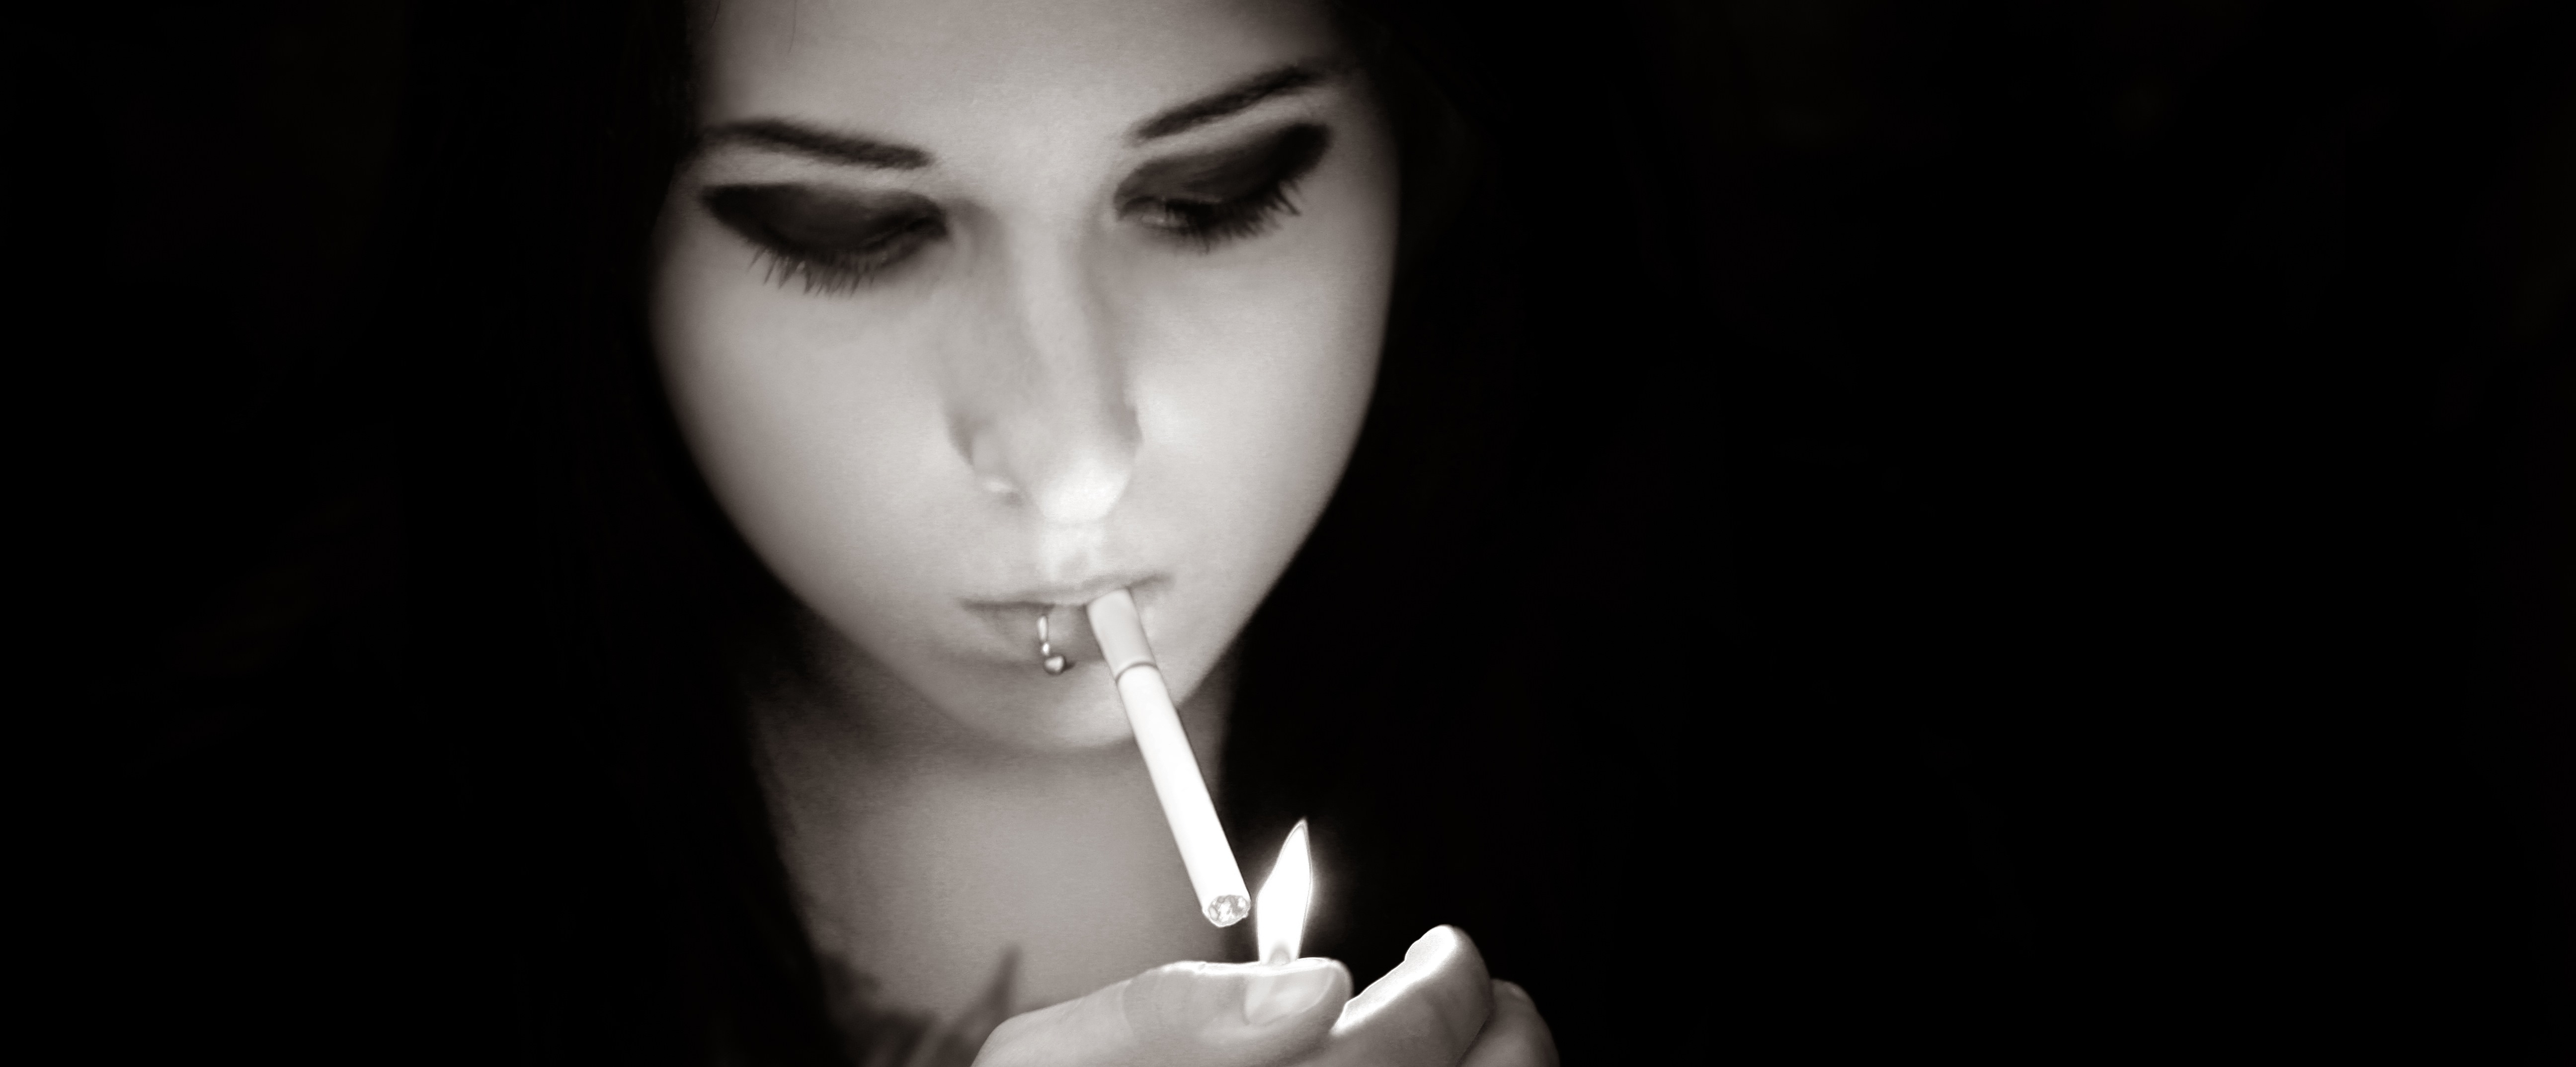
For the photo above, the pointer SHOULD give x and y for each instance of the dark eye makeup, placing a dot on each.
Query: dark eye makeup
(830, 240)
(1227, 194)
(835, 240)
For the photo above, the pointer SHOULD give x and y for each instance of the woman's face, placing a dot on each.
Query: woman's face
(976, 309)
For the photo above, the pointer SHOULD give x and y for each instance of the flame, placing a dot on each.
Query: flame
(1280, 918)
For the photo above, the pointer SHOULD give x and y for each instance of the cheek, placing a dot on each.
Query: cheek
(1262, 403)
(1254, 383)
(809, 417)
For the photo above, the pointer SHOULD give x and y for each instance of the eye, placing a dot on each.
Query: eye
(832, 241)
(1226, 195)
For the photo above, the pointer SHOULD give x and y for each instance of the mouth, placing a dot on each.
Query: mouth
(1011, 620)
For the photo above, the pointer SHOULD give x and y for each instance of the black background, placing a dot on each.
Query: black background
(2142, 426)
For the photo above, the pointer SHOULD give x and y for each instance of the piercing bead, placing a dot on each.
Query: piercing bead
(1048, 658)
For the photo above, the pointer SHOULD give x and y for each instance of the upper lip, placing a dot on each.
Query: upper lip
(1069, 594)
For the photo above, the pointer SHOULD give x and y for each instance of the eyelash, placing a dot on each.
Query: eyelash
(835, 271)
(1201, 224)
(1207, 224)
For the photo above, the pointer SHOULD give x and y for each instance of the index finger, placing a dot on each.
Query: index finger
(1428, 1010)
(1199, 1014)
(1515, 1035)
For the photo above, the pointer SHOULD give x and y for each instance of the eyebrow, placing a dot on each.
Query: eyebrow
(854, 150)
(1279, 81)
(847, 149)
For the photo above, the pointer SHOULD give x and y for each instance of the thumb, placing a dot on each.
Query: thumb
(1427, 1010)
(1198, 1014)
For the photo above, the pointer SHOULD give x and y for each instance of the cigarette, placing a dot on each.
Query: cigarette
(1213, 874)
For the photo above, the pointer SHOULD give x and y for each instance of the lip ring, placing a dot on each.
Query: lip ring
(1006, 618)
(1049, 660)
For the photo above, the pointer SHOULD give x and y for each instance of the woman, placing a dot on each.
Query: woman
(973, 314)
(960, 316)
(1485, 679)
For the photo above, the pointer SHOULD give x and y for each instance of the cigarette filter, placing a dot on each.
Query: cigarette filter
(1213, 874)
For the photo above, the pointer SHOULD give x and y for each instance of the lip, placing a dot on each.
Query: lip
(1010, 620)
(1075, 594)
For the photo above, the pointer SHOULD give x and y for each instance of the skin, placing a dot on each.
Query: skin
(1054, 401)
(1054, 394)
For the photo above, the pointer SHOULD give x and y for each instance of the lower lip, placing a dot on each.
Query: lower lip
(1013, 624)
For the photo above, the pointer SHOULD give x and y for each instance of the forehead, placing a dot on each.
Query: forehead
(935, 72)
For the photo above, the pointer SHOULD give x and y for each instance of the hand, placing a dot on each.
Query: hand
(1436, 1009)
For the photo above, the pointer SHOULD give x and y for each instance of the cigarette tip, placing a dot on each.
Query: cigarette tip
(1228, 910)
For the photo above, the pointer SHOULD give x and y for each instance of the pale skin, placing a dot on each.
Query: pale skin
(972, 310)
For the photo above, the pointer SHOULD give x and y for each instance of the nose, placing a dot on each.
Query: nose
(1039, 401)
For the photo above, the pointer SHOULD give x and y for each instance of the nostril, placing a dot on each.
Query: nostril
(991, 465)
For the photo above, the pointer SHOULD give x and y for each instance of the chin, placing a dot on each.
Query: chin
(1077, 711)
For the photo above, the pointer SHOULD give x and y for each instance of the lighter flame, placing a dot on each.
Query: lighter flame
(1280, 918)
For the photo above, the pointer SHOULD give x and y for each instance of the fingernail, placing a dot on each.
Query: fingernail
(1273, 995)
(1436, 939)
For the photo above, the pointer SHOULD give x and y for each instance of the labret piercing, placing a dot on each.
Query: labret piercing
(1048, 657)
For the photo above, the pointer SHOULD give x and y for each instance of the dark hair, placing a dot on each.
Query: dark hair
(2097, 619)
(576, 585)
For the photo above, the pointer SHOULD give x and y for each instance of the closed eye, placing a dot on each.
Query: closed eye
(831, 240)
(1228, 194)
